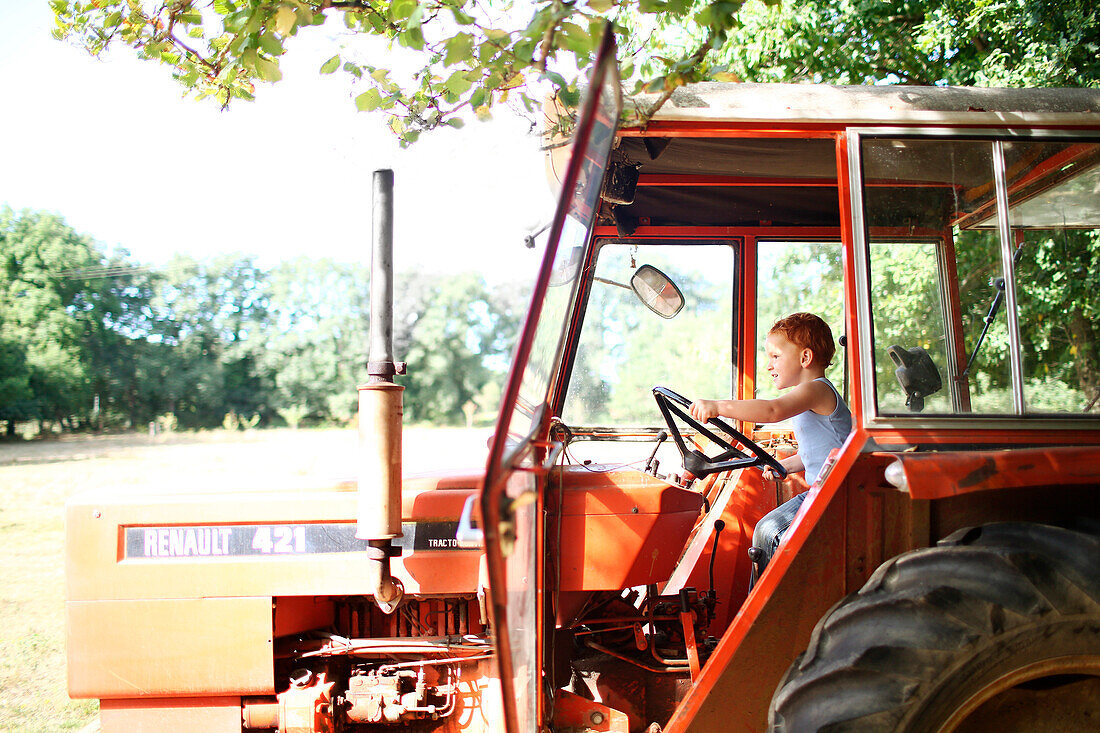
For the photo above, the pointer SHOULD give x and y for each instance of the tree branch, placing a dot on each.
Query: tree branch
(696, 58)
(194, 55)
(547, 44)
(346, 5)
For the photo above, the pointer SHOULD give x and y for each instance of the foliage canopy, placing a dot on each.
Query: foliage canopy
(445, 58)
(426, 63)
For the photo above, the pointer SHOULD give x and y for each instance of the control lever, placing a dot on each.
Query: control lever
(687, 622)
(661, 438)
(759, 562)
(719, 525)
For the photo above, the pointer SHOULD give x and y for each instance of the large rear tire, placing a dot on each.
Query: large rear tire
(995, 627)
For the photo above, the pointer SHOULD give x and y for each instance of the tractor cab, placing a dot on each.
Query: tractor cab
(945, 235)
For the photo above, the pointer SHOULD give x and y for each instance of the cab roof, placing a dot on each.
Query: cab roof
(693, 174)
(896, 104)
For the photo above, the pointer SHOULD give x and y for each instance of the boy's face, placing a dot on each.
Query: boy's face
(786, 361)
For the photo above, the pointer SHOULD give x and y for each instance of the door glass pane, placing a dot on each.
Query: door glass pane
(907, 316)
(509, 498)
(1054, 213)
(934, 277)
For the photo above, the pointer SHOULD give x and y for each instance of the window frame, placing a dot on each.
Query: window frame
(873, 419)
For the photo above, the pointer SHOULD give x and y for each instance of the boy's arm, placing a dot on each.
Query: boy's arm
(806, 396)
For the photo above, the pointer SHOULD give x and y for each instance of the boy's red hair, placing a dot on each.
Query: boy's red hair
(807, 331)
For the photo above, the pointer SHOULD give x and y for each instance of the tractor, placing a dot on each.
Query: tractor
(943, 573)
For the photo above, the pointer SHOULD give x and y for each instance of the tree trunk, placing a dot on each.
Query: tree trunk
(1087, 365)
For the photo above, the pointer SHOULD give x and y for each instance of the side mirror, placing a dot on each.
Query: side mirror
(656, 291)
(566, 267)
(917, 374)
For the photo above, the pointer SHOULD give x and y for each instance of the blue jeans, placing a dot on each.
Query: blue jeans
(773, 525)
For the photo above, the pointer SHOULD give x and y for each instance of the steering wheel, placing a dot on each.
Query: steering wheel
(696, 462)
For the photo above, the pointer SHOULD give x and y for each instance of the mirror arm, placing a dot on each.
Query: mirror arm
(605, 281)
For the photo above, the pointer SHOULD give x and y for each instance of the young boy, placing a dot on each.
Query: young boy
(799, 348)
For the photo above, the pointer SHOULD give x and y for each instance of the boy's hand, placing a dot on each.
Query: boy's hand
(703, 410)
(793, 464)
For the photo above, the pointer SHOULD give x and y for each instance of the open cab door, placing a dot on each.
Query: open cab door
(520, 454)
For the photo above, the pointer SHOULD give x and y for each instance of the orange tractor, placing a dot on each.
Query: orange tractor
(943, 574)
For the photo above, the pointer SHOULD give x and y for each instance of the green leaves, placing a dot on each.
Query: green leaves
(285, 20)
(576, 39)
(557, 79)
(466, 60)
(457, 83)
(271, 44)
(461, 17)
(965, 42)
(412, 38)
(265, 68)
(459, 48)
(368, 100)
(401, 10)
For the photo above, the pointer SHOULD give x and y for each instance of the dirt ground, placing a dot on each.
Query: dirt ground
(36, 479)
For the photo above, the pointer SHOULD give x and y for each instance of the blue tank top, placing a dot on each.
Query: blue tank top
(817, 435)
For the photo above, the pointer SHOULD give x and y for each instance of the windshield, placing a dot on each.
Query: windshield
(625, 350)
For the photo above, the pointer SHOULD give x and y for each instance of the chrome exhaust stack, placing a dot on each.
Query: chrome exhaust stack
(380, 412)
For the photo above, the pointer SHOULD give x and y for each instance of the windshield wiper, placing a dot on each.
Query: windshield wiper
(998, 284)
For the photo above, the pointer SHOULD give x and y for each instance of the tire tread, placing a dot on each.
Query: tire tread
(881, 650)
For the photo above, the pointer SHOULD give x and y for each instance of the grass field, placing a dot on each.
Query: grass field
(36, 479)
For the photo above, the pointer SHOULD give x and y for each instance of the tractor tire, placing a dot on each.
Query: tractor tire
(997, 628)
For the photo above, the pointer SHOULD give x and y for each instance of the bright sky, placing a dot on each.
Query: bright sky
(114, 148)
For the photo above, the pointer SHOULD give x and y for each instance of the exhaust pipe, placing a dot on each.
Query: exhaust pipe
(380, 410)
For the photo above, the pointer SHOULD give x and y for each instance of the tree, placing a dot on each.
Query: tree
(47, 312)
(453, 343)
(74, 322)
(317, 339)
(448, 60)
(962, 42)
(117, 320)
(208, 329)
(203, 340)
(16, 397)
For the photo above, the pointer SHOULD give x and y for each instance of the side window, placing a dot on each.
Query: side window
(797, 277)
(919, 196)
(940, 306)
(909, 323)
(1054, 215)
(625, 350)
